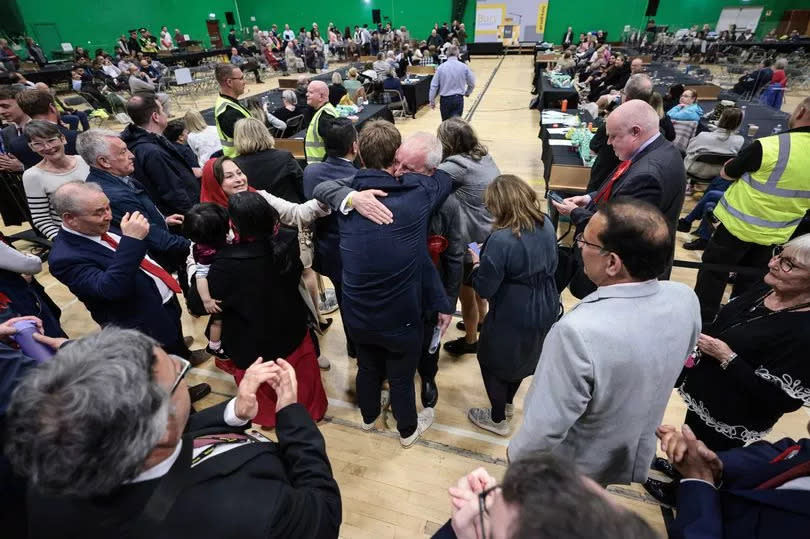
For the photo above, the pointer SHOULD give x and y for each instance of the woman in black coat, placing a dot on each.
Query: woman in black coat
(264, 315)
(516, 274)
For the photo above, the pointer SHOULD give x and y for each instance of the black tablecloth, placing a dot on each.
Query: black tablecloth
(549, 96)
(417, 93)
(561, 155)
(786, 46)
(190, 58)
(50, 76)
(369, 112)
(663, 77)
(764, 117)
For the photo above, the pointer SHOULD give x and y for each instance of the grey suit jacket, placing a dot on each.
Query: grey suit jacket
(604, 378)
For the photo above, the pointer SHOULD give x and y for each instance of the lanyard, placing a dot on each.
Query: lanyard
(761, 301)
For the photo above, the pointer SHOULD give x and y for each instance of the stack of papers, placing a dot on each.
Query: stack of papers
(556, 117)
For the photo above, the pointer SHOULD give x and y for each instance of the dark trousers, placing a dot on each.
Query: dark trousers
(75, 118)
(177, 347)
(713, 439)
(428, 363)
(339, 296)
(725, 248)
(499, 391)
(381, 356)
(451, 105)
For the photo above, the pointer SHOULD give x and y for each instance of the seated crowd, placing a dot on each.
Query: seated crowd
(99, 434)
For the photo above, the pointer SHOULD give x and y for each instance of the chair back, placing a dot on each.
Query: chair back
(684, 131)
(707, 166)
(294, 125)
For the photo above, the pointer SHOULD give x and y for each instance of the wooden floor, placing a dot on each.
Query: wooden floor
(389, 491)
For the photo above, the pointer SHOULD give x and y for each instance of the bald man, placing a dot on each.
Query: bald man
(636, 66)
(650, 169)
(325, 113)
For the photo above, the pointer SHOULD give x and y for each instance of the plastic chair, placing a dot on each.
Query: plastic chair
(294, 125)
(707, 166)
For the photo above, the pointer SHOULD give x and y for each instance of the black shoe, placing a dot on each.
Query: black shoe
(664, 466)
(698, 244)
(199, 391)
(198, 357)
(325, 325)
(460, 325)
(665, 493)
(684, 225)
(461, 346)
(430, 393)
(218, 353)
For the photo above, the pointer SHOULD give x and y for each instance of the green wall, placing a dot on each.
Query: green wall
(592, 15)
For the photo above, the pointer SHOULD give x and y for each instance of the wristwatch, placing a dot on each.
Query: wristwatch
(724, 364)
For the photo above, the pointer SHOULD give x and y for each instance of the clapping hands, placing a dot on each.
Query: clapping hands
(281, 377)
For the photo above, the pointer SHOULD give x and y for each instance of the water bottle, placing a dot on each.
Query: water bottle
(434, 341)
(777, 129)
(25, 338)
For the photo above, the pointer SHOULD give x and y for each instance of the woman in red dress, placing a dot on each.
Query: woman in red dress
(256, 278)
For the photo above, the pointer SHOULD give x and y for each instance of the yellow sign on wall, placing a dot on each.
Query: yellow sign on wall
(542, 12)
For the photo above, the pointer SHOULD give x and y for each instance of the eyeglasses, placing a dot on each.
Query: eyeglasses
(50, 143)
(185, 365)
(483, 511)
(581, 241)
(785, 264)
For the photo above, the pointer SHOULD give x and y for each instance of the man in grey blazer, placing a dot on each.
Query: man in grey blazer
(608, 367)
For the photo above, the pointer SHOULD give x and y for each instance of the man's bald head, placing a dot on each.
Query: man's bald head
(801, 115)
(420, 153)
(630, 126)
(317, 94)
(636, 66)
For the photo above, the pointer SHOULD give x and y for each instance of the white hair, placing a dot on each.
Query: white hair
(799, 249)
(429, 144)
(94, 143)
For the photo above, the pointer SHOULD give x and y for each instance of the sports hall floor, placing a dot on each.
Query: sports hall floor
(390, 492)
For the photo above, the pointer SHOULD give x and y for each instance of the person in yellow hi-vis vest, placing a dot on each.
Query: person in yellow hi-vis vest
(769, 198)
(227, 110)
(325, 112)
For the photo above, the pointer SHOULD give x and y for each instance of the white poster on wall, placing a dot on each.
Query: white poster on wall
(519, 20)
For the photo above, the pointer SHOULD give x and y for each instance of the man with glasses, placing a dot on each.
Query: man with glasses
(227, 109)
(540, 496)
(105, 436)
(608, 367)
(769, 197)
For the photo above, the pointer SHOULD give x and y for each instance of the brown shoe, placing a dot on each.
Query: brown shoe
(188, 341)
(198, 392)
(198, 357)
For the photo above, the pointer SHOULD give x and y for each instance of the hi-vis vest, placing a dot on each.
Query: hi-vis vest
(220, 106)
(766, 206)
(313, 144)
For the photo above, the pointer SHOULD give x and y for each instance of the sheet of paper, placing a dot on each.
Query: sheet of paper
(559, 142)
(557, 130)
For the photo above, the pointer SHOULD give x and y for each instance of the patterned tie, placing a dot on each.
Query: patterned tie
(150, 267)
(604, 193)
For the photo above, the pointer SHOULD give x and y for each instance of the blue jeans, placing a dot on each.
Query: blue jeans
(75, 118)
(451, 105)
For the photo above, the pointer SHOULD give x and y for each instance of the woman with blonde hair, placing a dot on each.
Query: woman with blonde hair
(352, 85)
(202, 138)
(470, 164)
(515, 272)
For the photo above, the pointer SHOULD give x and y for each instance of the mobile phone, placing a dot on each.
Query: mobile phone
(555, 197)
(474, 247)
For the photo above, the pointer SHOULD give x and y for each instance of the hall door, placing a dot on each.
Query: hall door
(214, 35)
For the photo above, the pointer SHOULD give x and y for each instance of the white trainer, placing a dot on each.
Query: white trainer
(423, 423)
(482, 417)
(324, 363)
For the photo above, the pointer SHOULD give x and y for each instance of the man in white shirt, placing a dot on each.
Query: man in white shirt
(111, 273)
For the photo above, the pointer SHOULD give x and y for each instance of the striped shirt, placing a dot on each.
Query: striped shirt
(40, 186)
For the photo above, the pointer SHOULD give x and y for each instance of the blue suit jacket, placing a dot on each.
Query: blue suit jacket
(389, 280)
(327, 233)
(124, 198)
(737, 509)
(111, 284)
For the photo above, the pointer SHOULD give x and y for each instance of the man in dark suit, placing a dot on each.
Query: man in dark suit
(341, 150)
(651, 169)
(388, 278)
(764, 488)
(111, 273)
(126, 459)
(111, 166)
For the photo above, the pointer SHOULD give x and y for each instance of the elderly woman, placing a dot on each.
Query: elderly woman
(470, 165)
(291, 108)
(268, 321)
(750, 365)
(202, 138)
(336, 89)
(687, 109)
(516, 273)
(42, 180)
(352, 85)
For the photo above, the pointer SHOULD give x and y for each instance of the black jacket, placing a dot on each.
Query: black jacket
(258, 490)
(162, 170)
(263, 312)
(274, 171)
(656, 175)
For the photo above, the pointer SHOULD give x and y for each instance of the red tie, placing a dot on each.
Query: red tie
(800, 470)
(604, 193)
(150, 267)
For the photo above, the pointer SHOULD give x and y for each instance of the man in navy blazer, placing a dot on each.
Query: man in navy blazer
(341, 149)
(111, 273)
(758, 491)
(389, 280)
(111, 165)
